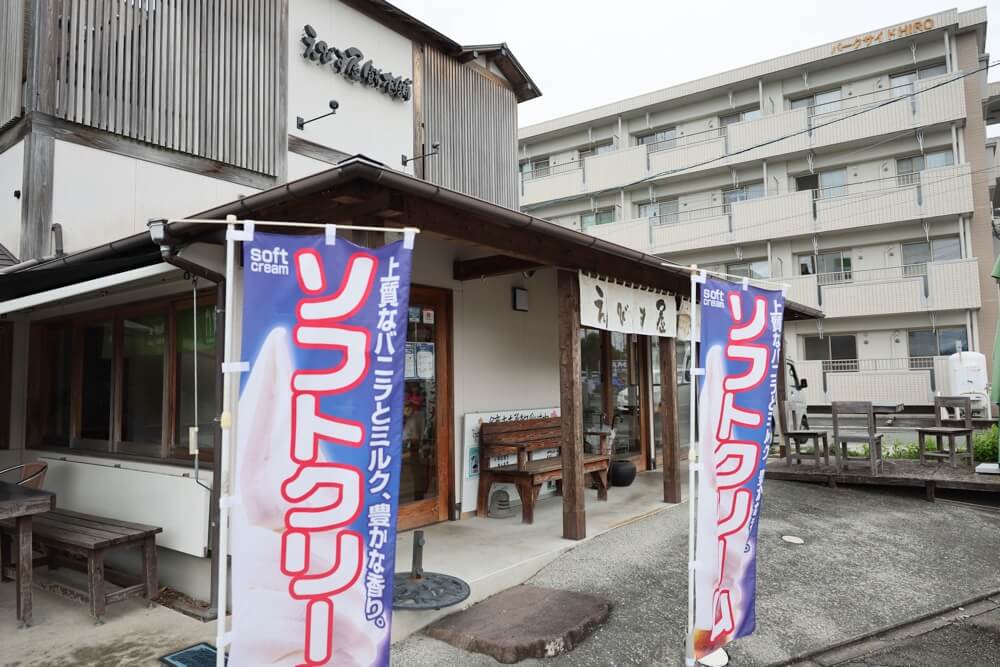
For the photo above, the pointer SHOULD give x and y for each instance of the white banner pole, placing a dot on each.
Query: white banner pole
(692, 461)
(226, 423)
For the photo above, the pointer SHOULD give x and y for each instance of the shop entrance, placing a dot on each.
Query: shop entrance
(6, 371)
(427, 423)
(615, 391)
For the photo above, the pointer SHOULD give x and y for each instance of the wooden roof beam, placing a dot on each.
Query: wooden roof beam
(492, 265)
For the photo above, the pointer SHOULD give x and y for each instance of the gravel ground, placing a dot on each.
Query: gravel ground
(871, 559)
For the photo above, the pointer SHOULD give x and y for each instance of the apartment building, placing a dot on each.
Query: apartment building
(856, 172)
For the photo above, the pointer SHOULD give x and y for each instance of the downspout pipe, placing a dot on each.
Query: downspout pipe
(169, 252)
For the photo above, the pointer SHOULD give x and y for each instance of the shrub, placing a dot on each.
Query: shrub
(985, 445)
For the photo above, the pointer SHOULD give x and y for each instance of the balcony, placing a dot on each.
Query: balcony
(946, 191)
(948, 285)
(930, 193)
(803, 129)
(555, 182)
(908, 380)
(687, 149)
(850, 119)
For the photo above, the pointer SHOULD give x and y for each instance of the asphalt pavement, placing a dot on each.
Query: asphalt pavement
(871, 560)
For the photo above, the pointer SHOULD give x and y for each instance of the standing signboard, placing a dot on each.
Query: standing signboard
(740, 329)
(318, 450)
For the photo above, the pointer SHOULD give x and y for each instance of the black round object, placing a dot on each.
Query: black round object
(622, 473)
(431, 591)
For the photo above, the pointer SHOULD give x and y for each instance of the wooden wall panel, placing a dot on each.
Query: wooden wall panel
(475, 120)
(197, 77)
(12, 37)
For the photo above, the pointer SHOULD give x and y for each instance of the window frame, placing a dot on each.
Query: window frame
(749, 263)
(596, 213)
(739, 116)
(652, 143)
(596, 148)
(662, 217)
(936, 333)
(168, 449)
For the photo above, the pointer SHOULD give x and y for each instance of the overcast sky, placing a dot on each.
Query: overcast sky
(584, 53)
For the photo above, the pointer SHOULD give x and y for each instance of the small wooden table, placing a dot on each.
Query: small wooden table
(20, 504)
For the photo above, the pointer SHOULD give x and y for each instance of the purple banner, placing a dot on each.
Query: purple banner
(739, 352)
(318, 451)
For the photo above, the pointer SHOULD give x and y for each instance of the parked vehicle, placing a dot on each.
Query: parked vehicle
(795, 398)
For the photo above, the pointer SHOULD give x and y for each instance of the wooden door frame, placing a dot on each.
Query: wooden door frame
(424, 512)
(641, 458)
(6, 380)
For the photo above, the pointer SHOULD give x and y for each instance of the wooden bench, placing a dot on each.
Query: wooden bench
(520, 439)
(92, 537)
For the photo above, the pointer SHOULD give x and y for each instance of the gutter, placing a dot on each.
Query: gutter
(159, 233)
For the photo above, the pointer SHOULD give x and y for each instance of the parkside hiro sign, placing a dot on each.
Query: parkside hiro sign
(318, 451)
(740, 354)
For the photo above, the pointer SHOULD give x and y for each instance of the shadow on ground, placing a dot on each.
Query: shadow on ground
(870, 559)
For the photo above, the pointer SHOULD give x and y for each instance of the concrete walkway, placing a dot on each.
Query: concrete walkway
(870, 559)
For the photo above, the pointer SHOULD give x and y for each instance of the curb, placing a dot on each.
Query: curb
(886, 629)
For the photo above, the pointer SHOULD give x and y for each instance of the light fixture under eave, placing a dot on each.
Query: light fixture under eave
(300, 123)
(434, 151)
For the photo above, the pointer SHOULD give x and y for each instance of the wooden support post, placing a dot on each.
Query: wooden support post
(22, 529)
(668, 415)
(779, 419)
(570, 397)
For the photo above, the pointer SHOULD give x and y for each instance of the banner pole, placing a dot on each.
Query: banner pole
(692, 465)
(225, 422)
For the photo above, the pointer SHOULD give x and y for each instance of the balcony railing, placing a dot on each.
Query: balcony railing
(542, 172)
(686, 140)
(893, 364)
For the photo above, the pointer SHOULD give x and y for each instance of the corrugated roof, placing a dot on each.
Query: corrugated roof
(7, 258)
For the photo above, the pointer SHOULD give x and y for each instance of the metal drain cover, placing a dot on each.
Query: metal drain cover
(433, 590)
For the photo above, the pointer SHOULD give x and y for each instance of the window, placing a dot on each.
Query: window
(757, 268)
(739, 116)
(824, 184)
(832, 183)
(839, 353)
(50, 386)
(902, 84)
(909, 168)
(192, 356)
(917, 254)
(598, 149)
(831, 266)
(663, 212)
(742, 193)
(822, 102)
(535, 168)
(602, 217)
(660, 140)
(116, 397)
(930, 343)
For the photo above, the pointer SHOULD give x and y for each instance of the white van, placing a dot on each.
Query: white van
(795, 398)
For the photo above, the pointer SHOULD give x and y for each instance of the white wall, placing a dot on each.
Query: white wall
(300, 166)
(503, 359)
(11, 169)
(368, 121)
(100, 196)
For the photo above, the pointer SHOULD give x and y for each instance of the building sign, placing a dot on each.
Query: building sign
(739, 358)
(884, 35)
(319, 451)
(350, 63)
(626, 309)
